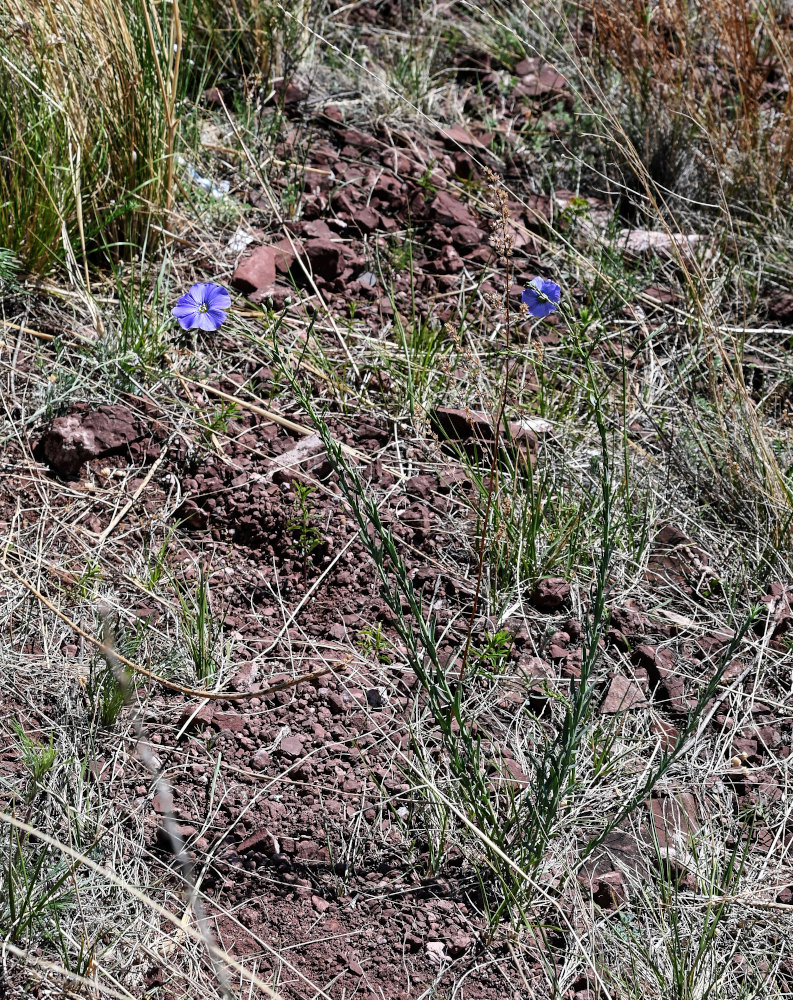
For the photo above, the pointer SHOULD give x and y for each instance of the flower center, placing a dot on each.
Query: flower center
(203, 307)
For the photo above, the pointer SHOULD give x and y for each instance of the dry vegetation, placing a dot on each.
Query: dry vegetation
(308, 686)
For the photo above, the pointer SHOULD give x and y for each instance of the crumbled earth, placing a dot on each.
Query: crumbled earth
(305, 848)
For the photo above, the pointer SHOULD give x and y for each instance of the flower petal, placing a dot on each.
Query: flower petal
(188, 299)
(210, 320)
(541, 297)
(183, 309)
(218, 316)
(217, 297)
(199, 292)
(551, 290)
(188, 321)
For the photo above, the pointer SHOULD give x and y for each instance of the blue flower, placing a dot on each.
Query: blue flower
(203, 307)
(541, 297)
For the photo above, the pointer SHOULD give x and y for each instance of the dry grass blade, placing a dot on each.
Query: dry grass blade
(282, 685)
(175, 921)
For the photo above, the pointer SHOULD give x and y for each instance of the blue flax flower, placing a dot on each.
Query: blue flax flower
(203, 307)
(541, 297)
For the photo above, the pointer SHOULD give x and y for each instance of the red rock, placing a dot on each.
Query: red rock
(667, 733)
(345, 204)
(109, 430)
(550, 594)
(160, 804)
(201, 718)
(515, 775)
(543, 81)
(421, 487)
(336, 704)
(779, 307)
(436, 952)
(456, 135)
(674, 817)
(417, 517)
(281, 296)
(291, 746)
(658, 661)
(465, 424)
(748, 747)
(66, 445)
(649, 241)
(387, 190)
(357, 139)
(262, 841)
(628, 621)
(306, 455)
(658, 293)
(307, 850)
(611, 892)
(319, 904)
(229, 722)
(459, 943)
(451, 212)
(290, 91)
(191, 515)
(256, 273)
(245, 677)
(467, 238)
(325, 258)
(673, 690)
(316, 229)
(623, 695)
(285, 251)
(213, 96)
(527, 66)
(671, 535)
(713, 642)
(365, 220)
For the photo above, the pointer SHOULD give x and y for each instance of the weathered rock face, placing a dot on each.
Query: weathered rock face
(550, 594)
(77, 438)
(256, 273)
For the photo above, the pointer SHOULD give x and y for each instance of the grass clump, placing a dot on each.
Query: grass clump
(87, 124)
(698, 90)
(258, 41)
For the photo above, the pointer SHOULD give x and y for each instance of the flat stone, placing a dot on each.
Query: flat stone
(256, 273)
(675, 818)
(203, 717)
(229, 722)
(451, 212)
(291, 746)
(623, 695)
(72, 440)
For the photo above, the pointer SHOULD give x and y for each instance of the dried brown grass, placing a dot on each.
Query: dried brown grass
(705, 89)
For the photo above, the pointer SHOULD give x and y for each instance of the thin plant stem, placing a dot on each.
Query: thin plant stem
(503, 244)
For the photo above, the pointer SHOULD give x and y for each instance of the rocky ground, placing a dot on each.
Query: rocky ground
(319, 857)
